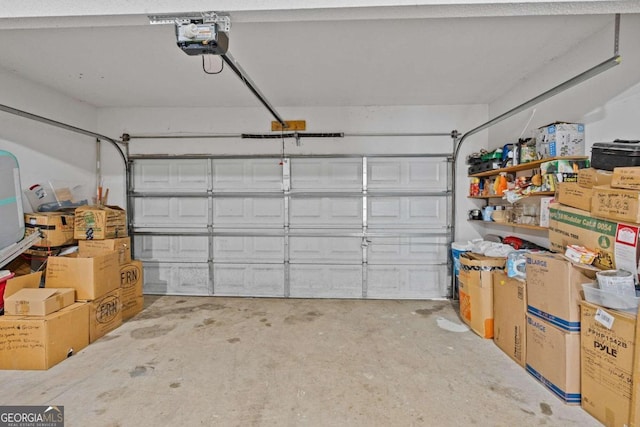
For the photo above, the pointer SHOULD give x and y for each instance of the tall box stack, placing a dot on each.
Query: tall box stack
(554, 287)
(130, 271)
(607, 361)
(509, 315)
(476, 291)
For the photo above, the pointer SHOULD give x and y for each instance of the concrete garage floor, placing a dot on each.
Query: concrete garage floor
(271, 362)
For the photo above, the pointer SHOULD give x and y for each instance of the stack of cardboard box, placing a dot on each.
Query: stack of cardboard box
(86, 295)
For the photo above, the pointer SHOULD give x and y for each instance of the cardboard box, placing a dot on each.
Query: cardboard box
(626, 177)
(561, 139)
(476, 291)
(121, 245)
(590, 177)
(91, 277)
(57, 228)
(100, 222)
(28, 342)
(131, 285)
(545, 203)
(509, 316)
(553, 358)
(105, 315)
(572, 194)
(617, 204)
(607, 356)
(27, 281)
(615, 243)
(554, 288)
(38, 301)
(560, 167)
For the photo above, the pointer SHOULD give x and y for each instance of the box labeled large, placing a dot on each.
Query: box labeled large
(100, 222)
(38, 301)
(628, 177)
(554, 286)
(572, 194)
(553, 358)
(105, 315)
(476, 291)
(121, 245)
(28, 342)
(509, 315)
(56, 227)
(590, 177)
(607, 353)
(131, 285)
(561, 139)
(618, 204)
(616, 244)
(91, 277)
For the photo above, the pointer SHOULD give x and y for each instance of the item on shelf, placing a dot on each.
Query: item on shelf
(487, 165)
(518, 243)
(560, 139)
(486, 213)
(580, 254)
(475, 214)
(516, 263)
(527, 150)
(474, 187)
(620, 282)
(619, 153)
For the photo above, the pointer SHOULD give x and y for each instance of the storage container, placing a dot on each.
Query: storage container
(609, 155)
(11, 214)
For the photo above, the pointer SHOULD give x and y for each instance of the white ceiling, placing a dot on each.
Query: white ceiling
(311, 59)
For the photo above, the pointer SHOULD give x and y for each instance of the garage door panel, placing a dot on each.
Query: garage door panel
(407, 212)
(325, 250)
(248, 212)
(325, 281)
(172, 248)
(176, 279)
(406, 281)
(254, 249)
(171, 175)
(406, 250)
(327, 174)
(171, 212)
(265, 280)
(247, 175)
(418, 174)
(338, 212)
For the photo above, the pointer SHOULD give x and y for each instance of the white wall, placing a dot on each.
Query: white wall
(409, 119)
(46, 153)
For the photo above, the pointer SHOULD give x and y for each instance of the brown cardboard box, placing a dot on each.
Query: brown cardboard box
(590, 177)
(105, 314)
(38, 301)
(553, 358)
(131, 284)
(617, 204)
(626, 177)
(100, 222)
(28, 342)
(509, 315)
(28, 281)
(97, 247)
(607, 352)
(615, 243)
(554, 286)
(91, 277)
(635, 383)
(571, 194)
(57, 228)
(476, 291)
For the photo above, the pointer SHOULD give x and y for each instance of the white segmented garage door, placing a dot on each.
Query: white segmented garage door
(303, 227)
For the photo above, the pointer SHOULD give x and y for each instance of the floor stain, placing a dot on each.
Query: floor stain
(111, 395)
(99, 411)
(306, 317)
(181, 301)
(209, 321)
(263, 320)
(507, 392)
(233, 340)
(139, 371)
(546, 409)
(426, 312)
(174, 385)
(526, 411)
(154, 331)
(267, 324)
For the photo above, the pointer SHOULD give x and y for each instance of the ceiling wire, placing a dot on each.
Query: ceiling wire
(212, 72)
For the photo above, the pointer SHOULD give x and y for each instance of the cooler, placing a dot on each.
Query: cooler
(619, 153)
